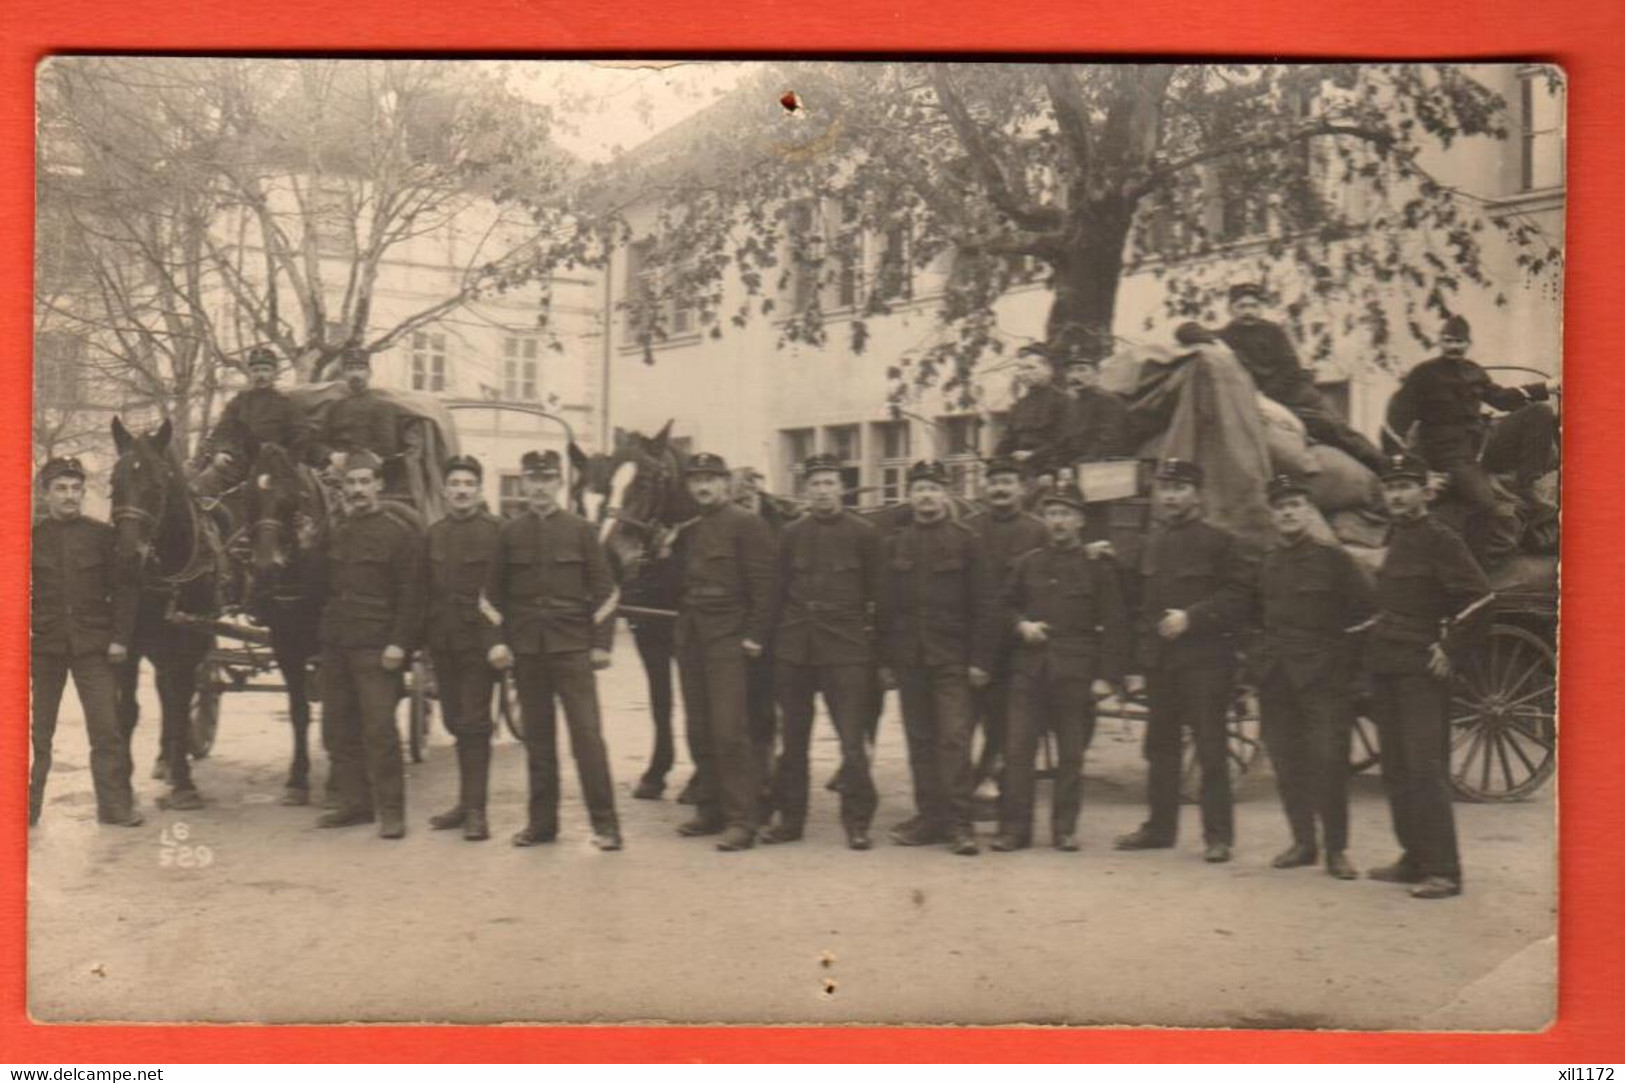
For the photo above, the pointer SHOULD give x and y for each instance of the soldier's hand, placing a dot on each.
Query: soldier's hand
(1439, 662)
(223, 460)
(1021, 456)
(1098, 549)
(751, 648)
(1174, 623)
(1134, 685)
(118, 653)
(979, 678)
(888, 677)
(304, 530)
(500, 657)
(1032, 631)
(600, 658)
(1101, 688)
(394, 657)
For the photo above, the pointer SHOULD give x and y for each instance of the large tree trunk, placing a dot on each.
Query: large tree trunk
(1086, 277)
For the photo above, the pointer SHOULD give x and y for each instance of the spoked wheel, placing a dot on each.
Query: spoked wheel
(420, 710)
(1245, 743)
(1503, 717)
(1364, 752)
(508, 705)
(204, 721)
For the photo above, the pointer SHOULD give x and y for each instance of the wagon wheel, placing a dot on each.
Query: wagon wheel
(420, 709)
(1364, 752)
(1245, 743)
(508, 705)
(1503, 717)
(204, 719)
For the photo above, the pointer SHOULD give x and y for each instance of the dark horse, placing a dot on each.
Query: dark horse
(284, 494)
(164, 533)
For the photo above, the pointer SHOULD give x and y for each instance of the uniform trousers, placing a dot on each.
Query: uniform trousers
(1307, 729)
(936, 703)
(359, 697)
(110, 764)
(568, 676)
(465, 681)
(715, 678)
(1193, 697)
(1411, 713)
(1057, 699)
(848, 692)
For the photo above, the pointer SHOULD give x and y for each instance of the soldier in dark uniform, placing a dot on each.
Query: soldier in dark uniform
(1196, 590)
(372, 577)
(459, 550)
(83, 615)
(363, 420)
(1073, 632)
(1444, 399)
(551, 586)
(1314, 595)
(827, 586)
(260, 414)
(936, 634)
(1040, 422)
(1433, 601)
(724, 561)
(1006, 532)
(1267, 353)
(1100, 424)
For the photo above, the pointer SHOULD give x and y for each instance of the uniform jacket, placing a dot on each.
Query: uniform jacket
(1203, 570)
(363, 420)
(550, 583)
(725, 564)
(459, 563)
(1445, 393)
(1429, 590)
(83, 601)
(1040, 422)
(1099, 428)
(1004, 538)
(1313, 596)
(1082, 602)
(1267, 353)
(260, 416)
(934, 608)
(371, 575)
(828, 584)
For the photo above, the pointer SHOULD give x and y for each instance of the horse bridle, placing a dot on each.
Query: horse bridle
(196, 560)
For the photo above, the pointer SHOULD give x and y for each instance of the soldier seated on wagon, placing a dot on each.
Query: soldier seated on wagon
(365, 421)
(259, 414)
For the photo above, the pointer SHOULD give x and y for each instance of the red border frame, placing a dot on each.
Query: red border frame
(1582, 35)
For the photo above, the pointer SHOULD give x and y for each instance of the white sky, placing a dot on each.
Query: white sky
(615, 105)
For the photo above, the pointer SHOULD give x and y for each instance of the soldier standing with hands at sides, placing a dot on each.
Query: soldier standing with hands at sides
(827, 586)
(83, 615)
(724, 561)
(1006, 532)
(936, 635)
(552, 603)
(1072, 624)
(1313, 596)
(372, 577)
(459, 552)
(1432, 603)
(1196, 591)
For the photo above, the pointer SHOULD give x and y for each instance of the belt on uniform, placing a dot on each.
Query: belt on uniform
(1407, 628)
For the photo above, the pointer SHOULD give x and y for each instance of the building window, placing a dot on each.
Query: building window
(520, 368)
(59, 358)
(332, 214)
(962, 453)
(428, 361)
(895, 277)
(653, 292)
(894, 440)
(511, 500)
(1540, 128)
(846, 290)
(798, 446)
(845, 442)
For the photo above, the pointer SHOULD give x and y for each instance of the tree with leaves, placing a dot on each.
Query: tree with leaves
(1078, 174)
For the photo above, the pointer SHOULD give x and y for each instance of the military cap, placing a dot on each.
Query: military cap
(708, 463)
(355, 357)
(363, 460)
(1246, 289)
(1180, 470)
(537, 464)
(1395, 467)
(1063, 497)
(1457, 327)
(262, 355)
(1191, 333)
(1284, 485)
(61, 467)
(1038, 349)
(1002, 466)
(928, 470)
(464, 462)
(820, 462)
